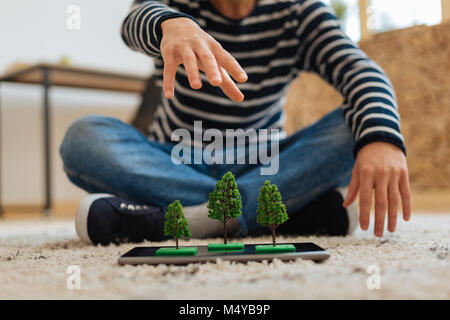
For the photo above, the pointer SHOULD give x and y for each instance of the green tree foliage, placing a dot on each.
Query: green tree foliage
(176, 224)
(225, 201)
(271, 210)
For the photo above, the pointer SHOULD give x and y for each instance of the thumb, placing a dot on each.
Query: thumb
(352, 189)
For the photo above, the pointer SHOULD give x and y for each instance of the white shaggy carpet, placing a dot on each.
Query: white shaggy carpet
(414, 264)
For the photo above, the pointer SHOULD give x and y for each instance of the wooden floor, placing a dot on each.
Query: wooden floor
(435, 201)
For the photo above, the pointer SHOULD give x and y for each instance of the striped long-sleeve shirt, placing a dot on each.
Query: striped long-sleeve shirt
(274, 43)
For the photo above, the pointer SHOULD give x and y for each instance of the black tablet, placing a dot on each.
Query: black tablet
(147, 255)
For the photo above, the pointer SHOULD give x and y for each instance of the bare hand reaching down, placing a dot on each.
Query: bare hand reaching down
(184, 42)
(381, 168)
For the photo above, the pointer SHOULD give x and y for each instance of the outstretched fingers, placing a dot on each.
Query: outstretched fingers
(381, 203)
(191, 66)
(365, 198)
(393, 197)
(227, 61)
(184, 42)
(230, 88)
(405, 193)
(170, 69)
(209, 66)
(353, 188)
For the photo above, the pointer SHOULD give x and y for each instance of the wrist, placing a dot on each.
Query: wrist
(380, 137)
(173, 22)
(169, 17)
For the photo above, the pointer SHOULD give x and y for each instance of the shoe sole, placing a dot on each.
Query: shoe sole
(82, 215)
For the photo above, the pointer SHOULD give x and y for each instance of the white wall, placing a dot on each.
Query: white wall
(33, 31)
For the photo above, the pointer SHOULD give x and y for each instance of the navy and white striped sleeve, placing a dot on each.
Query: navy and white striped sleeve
(370, 105)
(141, 29)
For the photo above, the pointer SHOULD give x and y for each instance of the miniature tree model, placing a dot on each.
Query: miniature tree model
(271, 212)
(177, 226)
(225, 202)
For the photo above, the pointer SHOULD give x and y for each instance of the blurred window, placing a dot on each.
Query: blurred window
(348, 12)
(385, 15)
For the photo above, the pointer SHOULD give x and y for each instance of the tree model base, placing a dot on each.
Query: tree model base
(221, 247)
(281, 248)
(188, 251)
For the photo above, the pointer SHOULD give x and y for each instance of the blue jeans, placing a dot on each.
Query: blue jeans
(102, 154)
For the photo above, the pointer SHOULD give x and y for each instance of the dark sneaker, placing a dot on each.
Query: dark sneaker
(325, 215)
(104, 218)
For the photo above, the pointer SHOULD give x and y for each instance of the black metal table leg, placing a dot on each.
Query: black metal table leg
(47, 148)
(1, 155)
